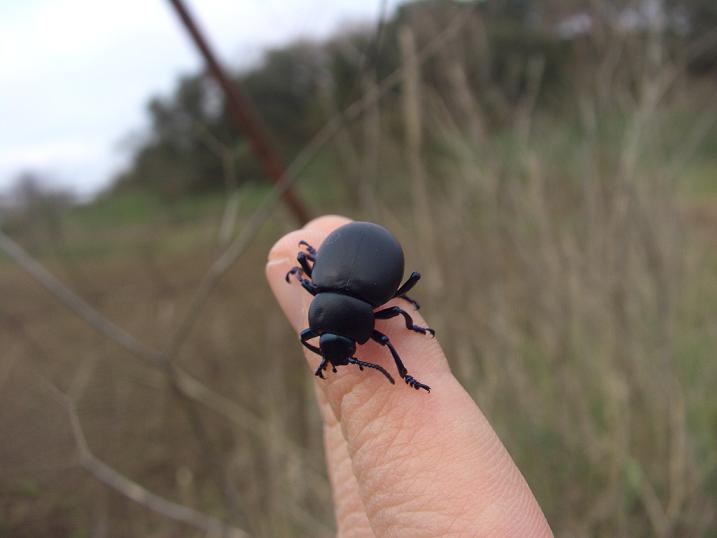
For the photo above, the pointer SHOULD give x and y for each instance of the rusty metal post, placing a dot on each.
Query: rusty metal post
(243, 114)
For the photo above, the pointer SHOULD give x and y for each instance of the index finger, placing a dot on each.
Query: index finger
(426, 464)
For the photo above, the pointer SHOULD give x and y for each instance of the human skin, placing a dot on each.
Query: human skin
(402, 462)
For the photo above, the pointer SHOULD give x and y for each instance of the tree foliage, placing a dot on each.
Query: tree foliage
(505, 48)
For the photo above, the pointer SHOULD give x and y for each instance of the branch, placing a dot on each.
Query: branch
(132, 490)
(231, 207)
(185, 383)
(304, 158)
(141, 495)
(74, 302)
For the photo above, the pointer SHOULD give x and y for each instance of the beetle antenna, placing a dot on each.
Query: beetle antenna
(361, 364)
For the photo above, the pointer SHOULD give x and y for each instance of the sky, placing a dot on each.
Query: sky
(75, 75)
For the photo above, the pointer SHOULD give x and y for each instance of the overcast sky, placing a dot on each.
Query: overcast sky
(75, 74)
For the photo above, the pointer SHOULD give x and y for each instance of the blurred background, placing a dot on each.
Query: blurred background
(550, 167)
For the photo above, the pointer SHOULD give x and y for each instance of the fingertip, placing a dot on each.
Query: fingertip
(290, 295)
(286, 248)
(292, 298)
(326, 222)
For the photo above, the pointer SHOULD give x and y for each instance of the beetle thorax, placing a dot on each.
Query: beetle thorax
(341, 315)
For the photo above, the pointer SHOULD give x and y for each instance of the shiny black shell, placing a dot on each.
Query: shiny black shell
(343, 315)
(360, 259)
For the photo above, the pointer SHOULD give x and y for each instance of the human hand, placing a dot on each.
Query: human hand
(402, 462)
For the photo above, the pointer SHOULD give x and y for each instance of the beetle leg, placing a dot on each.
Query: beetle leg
(320, 370)
(384, 341)
(311, 250)
(410, 300)
(410, 282)
(363, 364)
(394, 311)
(293, 271)
(304, 260)
(309, 286)
(410, 380)
(308, 334)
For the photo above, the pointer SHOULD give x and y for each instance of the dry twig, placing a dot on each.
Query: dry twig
(134, 491)
(305, 157)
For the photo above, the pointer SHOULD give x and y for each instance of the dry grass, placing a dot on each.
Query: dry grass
(569, 279)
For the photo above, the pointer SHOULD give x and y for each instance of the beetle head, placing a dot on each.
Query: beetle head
(336, 349)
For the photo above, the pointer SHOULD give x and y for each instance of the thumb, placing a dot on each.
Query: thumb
(426, 464)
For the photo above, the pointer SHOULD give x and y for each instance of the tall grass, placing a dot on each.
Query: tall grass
(566, 290)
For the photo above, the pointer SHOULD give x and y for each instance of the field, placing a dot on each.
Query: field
(570, 272)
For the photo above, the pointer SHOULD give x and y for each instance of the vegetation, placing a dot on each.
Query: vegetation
(495, 60)
(563, 213)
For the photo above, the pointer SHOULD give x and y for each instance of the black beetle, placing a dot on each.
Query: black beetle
(358, 268)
